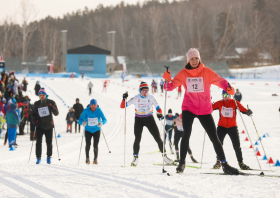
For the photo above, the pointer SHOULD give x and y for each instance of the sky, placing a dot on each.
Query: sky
(54, 8)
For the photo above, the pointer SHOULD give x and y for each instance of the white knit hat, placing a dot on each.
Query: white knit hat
(193, 53)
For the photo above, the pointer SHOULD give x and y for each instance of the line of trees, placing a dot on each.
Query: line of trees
(153, 30)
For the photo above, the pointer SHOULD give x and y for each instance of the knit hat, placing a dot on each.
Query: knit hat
(193, 53)
(42, 91)
(143, 85)
(93, 102)
(169, 110)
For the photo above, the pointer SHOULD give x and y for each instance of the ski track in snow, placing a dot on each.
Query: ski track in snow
(67, 179)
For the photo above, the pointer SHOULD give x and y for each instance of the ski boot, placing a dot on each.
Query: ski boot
(194, 160)
(243, 166)
(217, 165)
(38, 161)
(49, 160)
(87, 161)
(177, 157)
(167, 160)
(229, 170)
(95, 161)
(180, 168)
(134, 161)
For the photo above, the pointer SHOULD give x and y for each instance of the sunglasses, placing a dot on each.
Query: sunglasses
(145, 91)
(225, 95)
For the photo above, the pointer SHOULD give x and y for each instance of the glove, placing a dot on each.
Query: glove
(99, 124)
(125, 95)
(160, 116)
(84, 123)
(249, 112)
(51, 108)
(167, 76)
(230, 90)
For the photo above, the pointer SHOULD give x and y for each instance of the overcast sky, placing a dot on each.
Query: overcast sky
(54, 8)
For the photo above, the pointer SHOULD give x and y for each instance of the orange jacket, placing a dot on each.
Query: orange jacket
(227, 110)
(197, 83)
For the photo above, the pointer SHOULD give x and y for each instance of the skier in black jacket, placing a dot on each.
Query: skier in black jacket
(37, 88)
(41, 116)
(78, 107)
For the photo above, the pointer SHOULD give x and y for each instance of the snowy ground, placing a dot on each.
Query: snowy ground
(66, 178)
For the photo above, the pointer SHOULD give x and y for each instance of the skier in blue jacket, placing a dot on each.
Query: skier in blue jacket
(92, 119)
(169, 127)
(12, 123)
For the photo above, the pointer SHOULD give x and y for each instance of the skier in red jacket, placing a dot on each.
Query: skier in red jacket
(227, 125)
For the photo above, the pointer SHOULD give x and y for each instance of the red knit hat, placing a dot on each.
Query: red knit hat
(143, 85)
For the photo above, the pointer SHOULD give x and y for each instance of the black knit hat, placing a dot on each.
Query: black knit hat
(169, 110)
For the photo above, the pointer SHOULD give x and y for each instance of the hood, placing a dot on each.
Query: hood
(13, 106)
(196, 71)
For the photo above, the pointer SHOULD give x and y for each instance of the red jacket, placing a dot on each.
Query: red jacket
(227, 111)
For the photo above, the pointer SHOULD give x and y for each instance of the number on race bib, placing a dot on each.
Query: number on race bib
(43, 111)
(92, 121)
(195, 84)
(227, 112)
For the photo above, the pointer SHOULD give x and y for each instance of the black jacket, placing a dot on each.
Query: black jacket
(42, 118)
(78, 107)
(238, 96)
(37, 88)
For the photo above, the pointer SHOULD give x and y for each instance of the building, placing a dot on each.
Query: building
(88, 59)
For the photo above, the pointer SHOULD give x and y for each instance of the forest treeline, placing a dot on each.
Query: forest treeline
(153, 30)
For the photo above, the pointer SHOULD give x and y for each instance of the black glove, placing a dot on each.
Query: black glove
(160, 116)
(249, 112)
(51, 108)
(125, 95)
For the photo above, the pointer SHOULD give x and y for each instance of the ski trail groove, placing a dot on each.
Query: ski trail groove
(30, 183)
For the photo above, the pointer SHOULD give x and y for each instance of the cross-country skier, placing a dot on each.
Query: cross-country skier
(90, 85)
(227, 125)
(144, 103)
(179, 132)
(238, 95)
(92, 119)
(41, 116)
(78, 109)
(169, 127)
(13, 120)
(197, 80)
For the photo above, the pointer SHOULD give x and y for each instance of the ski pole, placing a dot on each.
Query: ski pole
(165, 97)
(259, 138)
(248, 135)
(166, 133)
(81, 145)
(124, 131)
(31, 150)
(105, 140)
(202, 149)
(56, 143)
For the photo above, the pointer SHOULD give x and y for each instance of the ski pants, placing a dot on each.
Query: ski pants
(150, 123)
(208, 124)
(178, 136)
(89, 91)
(234, 136)
(48, 135)
(168, 130)
(22, 125)
(96, 137)
(12, 132)
(76, 123)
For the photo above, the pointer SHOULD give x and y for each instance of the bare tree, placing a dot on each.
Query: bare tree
(7, 34)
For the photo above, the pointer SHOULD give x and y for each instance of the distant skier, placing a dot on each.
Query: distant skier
(122, 76)
(227, 125)
(105, 84)
(197, 80)
(78, 109)
(238, 96)
(82, 74)
(161, 85)
(41, 116)
(72, 76)
(169, 127)
(90, 85)
(92, 119)
(179, 132)
(144, 103)
(70, 117)
(37, 88)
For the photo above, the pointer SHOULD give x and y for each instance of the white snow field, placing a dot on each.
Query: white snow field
(66, 178)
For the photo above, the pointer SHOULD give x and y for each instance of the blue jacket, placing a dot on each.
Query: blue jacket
(12, 118)
(92, 118)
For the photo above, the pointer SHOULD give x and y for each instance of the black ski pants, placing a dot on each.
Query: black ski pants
(208, 124)
(48, 136)
(150, 123)
(96, 137)
(76, 123)
(22, 125)
(178, 136)
(234, 136)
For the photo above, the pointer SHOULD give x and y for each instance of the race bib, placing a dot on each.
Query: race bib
(180, 128)
(195, 84)
(92, 121)
(143, 108)
(227, 112)
(43, 111)
(169, 122)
